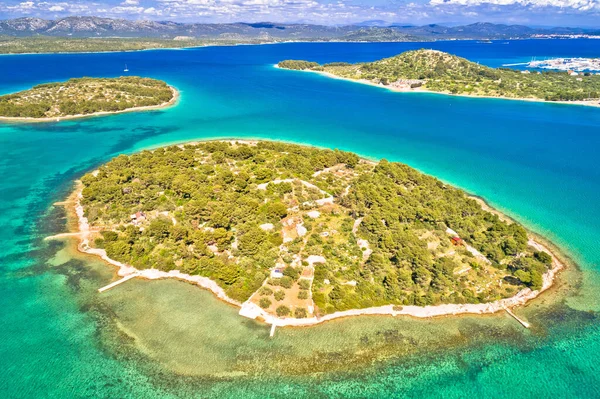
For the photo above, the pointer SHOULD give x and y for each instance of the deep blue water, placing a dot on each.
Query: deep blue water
(537, 162)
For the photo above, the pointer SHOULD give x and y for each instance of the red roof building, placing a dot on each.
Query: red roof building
(457, 241)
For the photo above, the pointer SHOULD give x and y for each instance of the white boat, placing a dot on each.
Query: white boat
(126, 69)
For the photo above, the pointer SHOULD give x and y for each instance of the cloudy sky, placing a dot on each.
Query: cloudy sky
(529, 12)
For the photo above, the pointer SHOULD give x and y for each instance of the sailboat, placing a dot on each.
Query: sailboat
(126, 69)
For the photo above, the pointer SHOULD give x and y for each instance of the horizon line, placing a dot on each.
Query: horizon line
(383, 24)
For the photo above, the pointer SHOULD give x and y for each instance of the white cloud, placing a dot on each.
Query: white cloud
(30, 7)
(127, 10)
(153, 11)
(582, 5)
(23, 6)
(317, 11)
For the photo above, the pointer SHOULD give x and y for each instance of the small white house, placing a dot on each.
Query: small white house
(313, 214)
(276, 273)
(137, 217)
(301, 230)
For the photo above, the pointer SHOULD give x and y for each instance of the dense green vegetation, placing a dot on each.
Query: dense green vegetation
(234, 211)
(441, 72)
(298, 65)
(85, 96)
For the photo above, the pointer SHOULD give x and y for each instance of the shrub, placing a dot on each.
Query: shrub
(291, 272)
(279, 295)
(300, 313)
(275, 282)
(282, 311)
(536, 280)
(286, 282)
(304, 284)
(109, 235)
(265, 291)
(543, 257)
(249, 243)
(264, 303)
(287, 258)
(303, 295)
(276, 211)
(524, 276)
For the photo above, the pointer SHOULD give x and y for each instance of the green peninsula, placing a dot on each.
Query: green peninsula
(86, 96)
(436, 71)
(301, 231)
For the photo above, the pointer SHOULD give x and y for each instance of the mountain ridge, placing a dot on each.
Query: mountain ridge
(84, 26)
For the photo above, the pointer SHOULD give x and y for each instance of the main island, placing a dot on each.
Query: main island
(296, 235)
(82, 97)
(440, 72)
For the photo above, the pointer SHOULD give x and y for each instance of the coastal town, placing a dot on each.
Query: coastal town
(564, 36)
(568, 64)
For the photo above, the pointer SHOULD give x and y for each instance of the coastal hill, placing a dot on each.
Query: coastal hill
(85, 96)
(299, 231)
(441, 72)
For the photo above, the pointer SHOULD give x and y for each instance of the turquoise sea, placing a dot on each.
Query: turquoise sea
(537, 162)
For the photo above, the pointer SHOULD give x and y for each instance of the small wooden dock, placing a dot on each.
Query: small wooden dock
(523, 322)
(114, 284)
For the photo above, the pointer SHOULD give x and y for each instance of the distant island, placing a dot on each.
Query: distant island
(84, 97)
(297, 235)
(436, 71)
(49, 44)
(97, 34)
